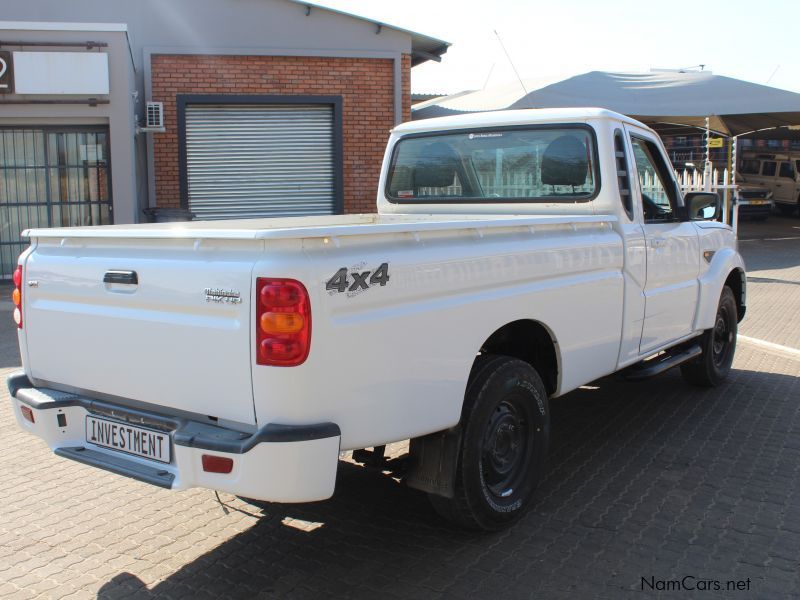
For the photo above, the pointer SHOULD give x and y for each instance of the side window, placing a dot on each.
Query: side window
(658, 192)
(786, 170)
(623, 173)
(749, 166)
(768, 168)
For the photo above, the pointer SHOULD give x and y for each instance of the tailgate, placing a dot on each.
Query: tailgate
(178, 337)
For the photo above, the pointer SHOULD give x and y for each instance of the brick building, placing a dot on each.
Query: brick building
(358, 94)
(268, 107)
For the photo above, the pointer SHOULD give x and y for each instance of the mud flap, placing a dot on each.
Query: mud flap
(434, 460)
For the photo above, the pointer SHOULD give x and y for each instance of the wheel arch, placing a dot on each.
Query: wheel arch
(737, 281)
(727, 268)
(434, 457)
(528, 340)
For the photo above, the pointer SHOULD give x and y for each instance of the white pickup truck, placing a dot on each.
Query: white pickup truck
(514, 257)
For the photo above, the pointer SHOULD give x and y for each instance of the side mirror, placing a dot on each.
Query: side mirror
(703, 206)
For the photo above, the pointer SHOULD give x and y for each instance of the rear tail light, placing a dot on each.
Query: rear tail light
(283, 322)
(16, 296)
(217, 464)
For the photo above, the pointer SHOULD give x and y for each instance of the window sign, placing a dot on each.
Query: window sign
(81, 73)
(6, 72)
(91, 152)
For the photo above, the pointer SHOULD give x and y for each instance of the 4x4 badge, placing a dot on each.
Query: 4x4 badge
(356, 280)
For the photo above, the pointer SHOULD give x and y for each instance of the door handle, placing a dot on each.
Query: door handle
(125, 277)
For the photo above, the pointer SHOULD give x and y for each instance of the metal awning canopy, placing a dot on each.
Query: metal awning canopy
(733, 106)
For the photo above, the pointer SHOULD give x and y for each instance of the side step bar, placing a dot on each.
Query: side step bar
(118, 465)
(659, 364)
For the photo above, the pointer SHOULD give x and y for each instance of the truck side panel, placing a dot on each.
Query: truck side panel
(391, 361)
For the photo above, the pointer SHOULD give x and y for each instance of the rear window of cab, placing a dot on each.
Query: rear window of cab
(520, 164)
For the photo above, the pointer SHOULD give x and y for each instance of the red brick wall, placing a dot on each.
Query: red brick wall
(366, 86)
(406, 75)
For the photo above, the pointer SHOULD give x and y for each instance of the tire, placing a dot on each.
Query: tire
(505, 430)
(786, 209)
(718, 344)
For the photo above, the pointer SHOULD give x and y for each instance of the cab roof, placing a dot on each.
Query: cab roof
(500, 118)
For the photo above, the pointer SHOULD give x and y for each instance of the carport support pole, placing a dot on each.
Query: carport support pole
(732, 159)
(732, 170)
(707, 165)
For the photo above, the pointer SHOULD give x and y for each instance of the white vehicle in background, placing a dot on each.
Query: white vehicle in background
(515, 256)
(754, 201)
(778, 173)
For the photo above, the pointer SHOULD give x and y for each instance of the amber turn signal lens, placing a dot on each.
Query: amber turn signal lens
(16, 296)
(277, 322)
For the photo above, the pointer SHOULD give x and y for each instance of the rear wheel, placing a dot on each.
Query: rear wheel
(786, 209)
(718, 344)
(505, 435)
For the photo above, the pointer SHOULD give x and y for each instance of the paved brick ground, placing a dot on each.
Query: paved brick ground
(655, 479)
(772, 252)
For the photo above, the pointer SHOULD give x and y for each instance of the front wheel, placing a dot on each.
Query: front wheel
(718, 344)
(504, 441)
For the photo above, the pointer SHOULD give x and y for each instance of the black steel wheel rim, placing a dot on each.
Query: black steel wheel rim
(723, 337)
(506, 448)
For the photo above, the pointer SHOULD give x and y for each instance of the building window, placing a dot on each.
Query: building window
(50, 178)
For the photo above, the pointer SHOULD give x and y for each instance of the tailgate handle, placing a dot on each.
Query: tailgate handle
(127, 277)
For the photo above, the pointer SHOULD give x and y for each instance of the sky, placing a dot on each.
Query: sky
(754, 41)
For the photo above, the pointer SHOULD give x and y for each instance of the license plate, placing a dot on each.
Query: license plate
(757, 202)
(128, 438)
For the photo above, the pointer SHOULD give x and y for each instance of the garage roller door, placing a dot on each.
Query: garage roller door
(247, 161)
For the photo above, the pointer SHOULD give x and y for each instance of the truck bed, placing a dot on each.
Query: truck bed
(311, 227)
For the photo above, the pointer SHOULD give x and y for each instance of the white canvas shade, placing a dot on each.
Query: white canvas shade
(733, 106)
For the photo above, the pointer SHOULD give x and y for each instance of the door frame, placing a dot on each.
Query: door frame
(650, 235)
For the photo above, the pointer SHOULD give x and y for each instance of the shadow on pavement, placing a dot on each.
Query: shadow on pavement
(771, 280)
(642, 478)
(776, 226)
(9, 349)
(770, 245)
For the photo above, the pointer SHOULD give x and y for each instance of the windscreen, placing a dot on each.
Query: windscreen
(546, 164)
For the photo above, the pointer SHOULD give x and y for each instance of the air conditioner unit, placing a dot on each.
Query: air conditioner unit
(153, 117)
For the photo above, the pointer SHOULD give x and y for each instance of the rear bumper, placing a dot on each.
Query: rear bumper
(278, 463)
